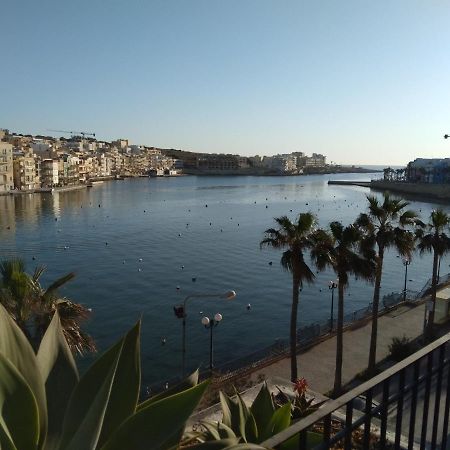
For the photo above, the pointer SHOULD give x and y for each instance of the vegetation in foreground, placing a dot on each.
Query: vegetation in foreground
(32, 306)
(45, 405)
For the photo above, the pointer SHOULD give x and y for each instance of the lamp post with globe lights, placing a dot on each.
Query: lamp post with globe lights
(180, 313)
(210, 323)
(332, 285)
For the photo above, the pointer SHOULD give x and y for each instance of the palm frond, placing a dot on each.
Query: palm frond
(57, 284)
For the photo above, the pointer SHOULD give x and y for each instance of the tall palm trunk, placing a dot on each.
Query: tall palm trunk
(434, 281)
(339, 342)
(375, 308)
(293, 334)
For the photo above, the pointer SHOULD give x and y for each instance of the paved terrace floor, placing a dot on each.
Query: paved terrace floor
(317, 364)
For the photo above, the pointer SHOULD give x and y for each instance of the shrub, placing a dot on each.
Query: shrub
(401, 348)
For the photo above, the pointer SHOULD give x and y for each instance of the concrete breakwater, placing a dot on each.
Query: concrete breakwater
(436, 191)
(433, 191)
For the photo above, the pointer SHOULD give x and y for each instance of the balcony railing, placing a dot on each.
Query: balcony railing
(404, 407)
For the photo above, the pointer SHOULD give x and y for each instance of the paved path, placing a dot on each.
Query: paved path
(317, 364)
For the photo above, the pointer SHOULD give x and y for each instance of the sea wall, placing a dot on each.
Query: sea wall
(437, 191)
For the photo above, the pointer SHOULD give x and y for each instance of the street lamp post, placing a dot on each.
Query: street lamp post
(332, 285)
(406, 263)
(211, 323)
(180, 313)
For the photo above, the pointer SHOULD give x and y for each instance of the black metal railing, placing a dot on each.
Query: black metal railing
(404, 407)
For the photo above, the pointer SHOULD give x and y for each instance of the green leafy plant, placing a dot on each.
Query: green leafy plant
(301, 406)
(401, 348)
(44, 404)
(262, 420)
(32, 306)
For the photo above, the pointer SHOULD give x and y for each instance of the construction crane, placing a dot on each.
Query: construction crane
(74, 133)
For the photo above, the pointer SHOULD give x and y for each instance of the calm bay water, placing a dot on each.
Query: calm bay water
(208, 228)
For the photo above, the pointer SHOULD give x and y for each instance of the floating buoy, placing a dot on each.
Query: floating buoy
(140, 259)
(178, 288)
(270, 263)
(249, 307)
(194, 279)
(182, 267)
(163, 341)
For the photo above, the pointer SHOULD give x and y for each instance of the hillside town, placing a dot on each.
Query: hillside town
(32, 163)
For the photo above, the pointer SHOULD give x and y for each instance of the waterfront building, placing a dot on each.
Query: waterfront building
(255, 161)
(85, 168)
(6, 167)
(428, 170)
(316, 160)
(26, 168)
(68, 172)
(49, 173)
(217, 162)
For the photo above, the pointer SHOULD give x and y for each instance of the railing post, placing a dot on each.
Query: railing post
(367, 418)
(446, 409)
(426, 401)
(398, 423)
(437, 398)
(412, 417)
(384, 413)
(348, 426)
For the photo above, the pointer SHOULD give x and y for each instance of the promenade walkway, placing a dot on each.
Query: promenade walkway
(317, 364)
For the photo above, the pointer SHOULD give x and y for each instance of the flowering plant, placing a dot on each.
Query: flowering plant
(300, 405)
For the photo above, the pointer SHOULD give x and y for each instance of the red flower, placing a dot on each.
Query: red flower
(300, 386)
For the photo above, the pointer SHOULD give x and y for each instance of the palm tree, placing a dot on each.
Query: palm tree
(437, 242)
(384, 227)
(295, 238)
(32, 306)
(340, 249)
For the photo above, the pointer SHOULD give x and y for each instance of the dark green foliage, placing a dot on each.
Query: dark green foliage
(401, 348)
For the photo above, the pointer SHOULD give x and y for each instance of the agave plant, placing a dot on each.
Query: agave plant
(44, 404)
(257, 423)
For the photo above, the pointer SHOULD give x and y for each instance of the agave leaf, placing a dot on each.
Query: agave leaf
(126, 385)
(159, 425)
(16, 348)
(88, 402)
(5, 439)
(217, 430)
(190, 381)
(251, 429)
(250, 432)
(233, 414)
(262, 408)
(60, 376)
(212, 431)
(19, 412)
(280, 420)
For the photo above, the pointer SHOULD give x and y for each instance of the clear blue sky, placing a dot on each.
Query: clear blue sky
(362, 82)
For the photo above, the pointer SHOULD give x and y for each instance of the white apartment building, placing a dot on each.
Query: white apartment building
(6, 167)
(49, 173)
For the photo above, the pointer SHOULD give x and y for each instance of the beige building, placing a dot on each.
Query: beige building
(6, 167)
(26, 172)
